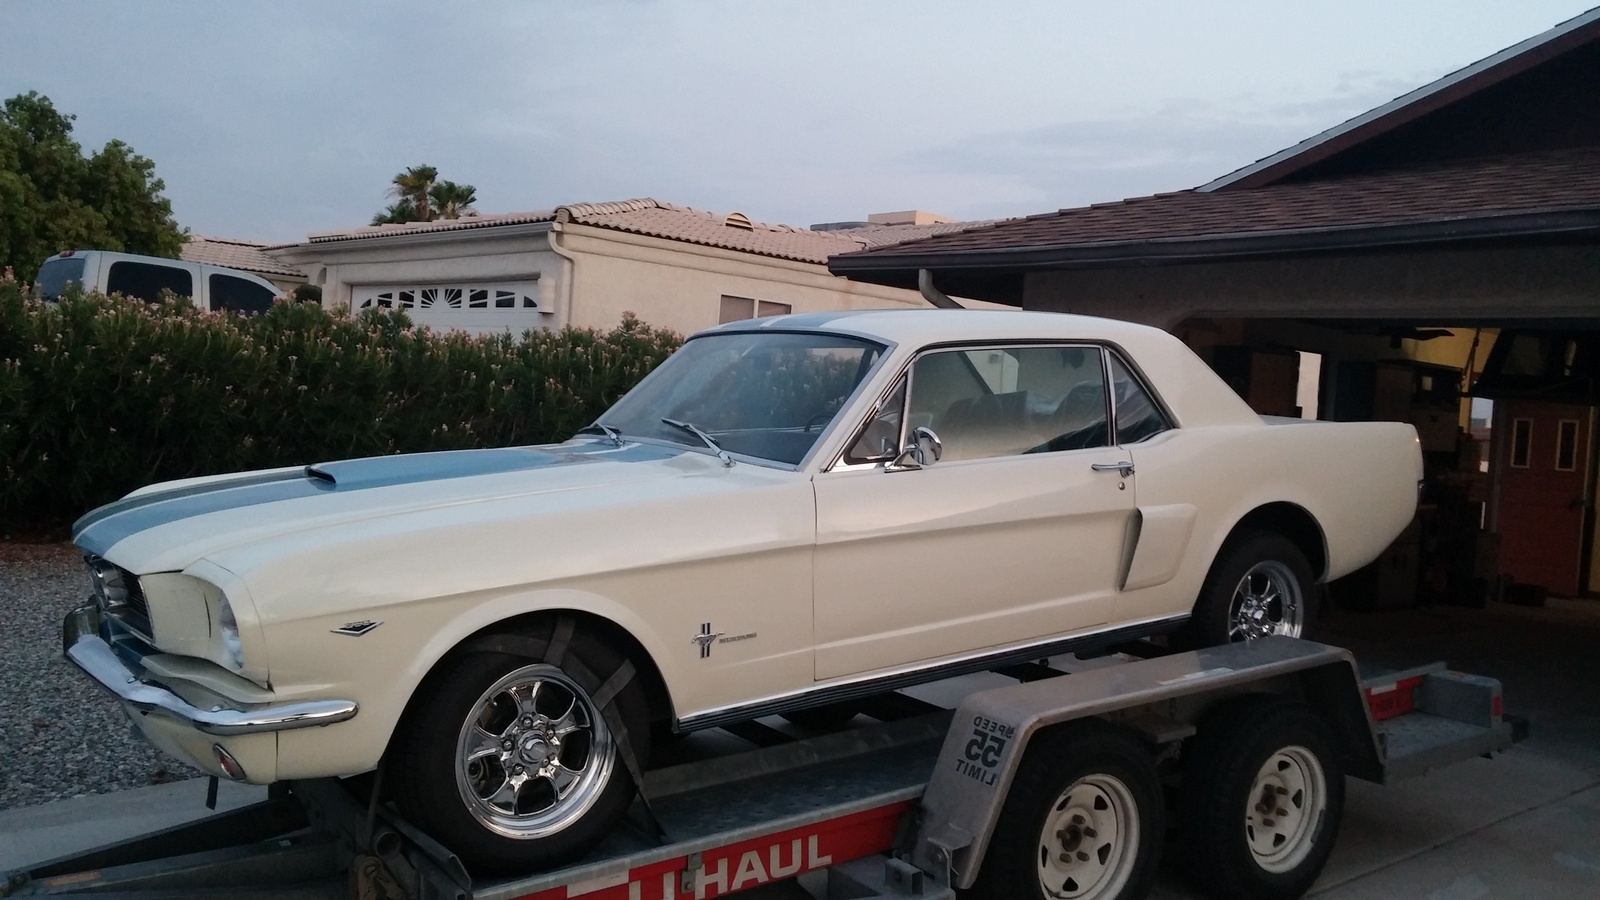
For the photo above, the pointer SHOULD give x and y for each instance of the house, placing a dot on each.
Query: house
(586, 264)
(1373, 271)
(246, 256)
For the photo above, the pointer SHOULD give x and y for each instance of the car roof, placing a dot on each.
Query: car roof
(922, 327)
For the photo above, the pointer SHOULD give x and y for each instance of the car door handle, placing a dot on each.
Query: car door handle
(1125, 468)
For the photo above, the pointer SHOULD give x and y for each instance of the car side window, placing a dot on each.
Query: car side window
(146, 281)
(1138, 415)
(1010, 401)
(230, 292)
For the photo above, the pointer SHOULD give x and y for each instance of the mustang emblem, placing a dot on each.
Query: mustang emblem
(706, 638)
(357, 629)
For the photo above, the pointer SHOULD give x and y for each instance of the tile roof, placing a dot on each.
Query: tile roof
(731, 231)
(235, 254)
(1470, 189)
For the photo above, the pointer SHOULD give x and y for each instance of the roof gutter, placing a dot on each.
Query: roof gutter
(932, 294)
(1209, 247)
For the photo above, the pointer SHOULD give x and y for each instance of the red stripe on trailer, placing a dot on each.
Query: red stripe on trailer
(747, 864)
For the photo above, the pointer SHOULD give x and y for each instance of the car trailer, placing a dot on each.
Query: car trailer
(1060, 785)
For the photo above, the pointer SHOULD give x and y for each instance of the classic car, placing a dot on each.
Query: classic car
(789, 513)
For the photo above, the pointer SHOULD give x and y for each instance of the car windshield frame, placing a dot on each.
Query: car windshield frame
(661, 395)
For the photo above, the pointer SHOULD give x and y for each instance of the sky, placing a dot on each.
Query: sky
(269, 121)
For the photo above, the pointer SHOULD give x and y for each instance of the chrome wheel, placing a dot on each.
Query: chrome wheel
(534, 754)
(1287, 801)
(1090, 841)
(1267, 600)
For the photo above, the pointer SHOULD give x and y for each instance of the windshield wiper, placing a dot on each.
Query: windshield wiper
(710, 441)
(607, 430)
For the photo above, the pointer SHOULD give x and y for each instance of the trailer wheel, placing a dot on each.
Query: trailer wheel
(1082, 821)
(1260, 584)
(1263, 793)
(509, 760)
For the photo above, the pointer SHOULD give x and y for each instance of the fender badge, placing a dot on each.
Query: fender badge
(357, 629)
(706, 638)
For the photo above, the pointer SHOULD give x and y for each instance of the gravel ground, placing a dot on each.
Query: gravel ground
(60, 735)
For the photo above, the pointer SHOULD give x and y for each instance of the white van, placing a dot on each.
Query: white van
(211, 287)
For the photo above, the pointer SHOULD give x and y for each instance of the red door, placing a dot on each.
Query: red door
(1541, 466)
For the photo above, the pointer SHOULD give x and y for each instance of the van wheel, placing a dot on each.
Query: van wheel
(1083, 819)
(510, 761)
(1263, 793)
(1260, 585)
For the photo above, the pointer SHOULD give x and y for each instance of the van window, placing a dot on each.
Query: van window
(229, 292)
(146, 281)
(55, 275)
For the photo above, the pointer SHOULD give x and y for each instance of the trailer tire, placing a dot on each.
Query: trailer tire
(1260, 584)
(510, 754)
(1250, 751)
(1086, 791)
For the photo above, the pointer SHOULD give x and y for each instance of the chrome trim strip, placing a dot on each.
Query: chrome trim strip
(866, 686)
(85, 648)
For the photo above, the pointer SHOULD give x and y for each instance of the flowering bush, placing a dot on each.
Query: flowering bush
(99, 395)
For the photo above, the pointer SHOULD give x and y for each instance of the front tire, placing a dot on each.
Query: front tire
(1082, 821)
(509, 761)
(1263, 793)
(1260, 585)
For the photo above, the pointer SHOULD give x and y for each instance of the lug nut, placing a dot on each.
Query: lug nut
(1269, 823)
(1082, 856)
(1077, 820)
(1282, 813)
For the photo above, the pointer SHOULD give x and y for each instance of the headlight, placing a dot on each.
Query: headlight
(228, 628)
(106, 579)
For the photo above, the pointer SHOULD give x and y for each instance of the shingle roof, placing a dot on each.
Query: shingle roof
(731, 231)
(235, 254)
(1473, 189)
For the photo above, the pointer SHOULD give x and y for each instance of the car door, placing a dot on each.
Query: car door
(1017, 533)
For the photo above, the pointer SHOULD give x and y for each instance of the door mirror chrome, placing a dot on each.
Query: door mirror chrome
(925, 450)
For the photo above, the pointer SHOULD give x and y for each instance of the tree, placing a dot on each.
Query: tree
(453, 200)
(55, 199)
(422, 197)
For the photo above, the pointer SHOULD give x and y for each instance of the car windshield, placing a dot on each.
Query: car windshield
(767, 395)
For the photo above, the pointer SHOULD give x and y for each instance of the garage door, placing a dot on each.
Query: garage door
(478, 308)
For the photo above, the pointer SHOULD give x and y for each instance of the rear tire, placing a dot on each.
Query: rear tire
(509, 762)
(1260, 584)
(1082, 821)
(1263, 794)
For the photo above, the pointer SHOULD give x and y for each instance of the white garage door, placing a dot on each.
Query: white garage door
(479, 308)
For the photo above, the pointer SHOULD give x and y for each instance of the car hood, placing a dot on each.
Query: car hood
(168, 527)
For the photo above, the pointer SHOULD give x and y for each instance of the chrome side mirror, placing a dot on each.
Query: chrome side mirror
(925, 450)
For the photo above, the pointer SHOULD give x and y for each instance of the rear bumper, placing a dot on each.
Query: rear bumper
(84, 643)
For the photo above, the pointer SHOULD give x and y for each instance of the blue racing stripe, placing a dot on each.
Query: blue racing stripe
(101, 529)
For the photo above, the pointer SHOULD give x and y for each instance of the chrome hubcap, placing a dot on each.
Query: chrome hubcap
(534, 755)
(1090, 840)
(1287, 801)
(1266, 601)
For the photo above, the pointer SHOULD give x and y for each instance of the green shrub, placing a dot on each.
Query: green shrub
(100, 395)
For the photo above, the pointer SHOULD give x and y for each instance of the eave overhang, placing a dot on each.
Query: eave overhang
(1009, 263)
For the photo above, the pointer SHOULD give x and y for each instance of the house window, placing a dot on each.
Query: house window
(735, 309)
(1567, 445)
(522, 295)
(1521, 442)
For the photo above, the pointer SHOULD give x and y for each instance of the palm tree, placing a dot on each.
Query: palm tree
(453, 200)
(413, 185)
(397, 213)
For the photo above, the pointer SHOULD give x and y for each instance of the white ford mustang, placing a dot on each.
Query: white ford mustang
(789, 512)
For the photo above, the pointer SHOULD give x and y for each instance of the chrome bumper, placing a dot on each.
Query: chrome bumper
(84, 645)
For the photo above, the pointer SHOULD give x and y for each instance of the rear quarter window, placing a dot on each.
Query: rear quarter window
(146, 281)
(239, 295)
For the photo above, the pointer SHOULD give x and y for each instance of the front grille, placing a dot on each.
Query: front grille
(136, 602)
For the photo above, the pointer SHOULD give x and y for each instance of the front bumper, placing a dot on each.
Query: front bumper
(87, 647)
